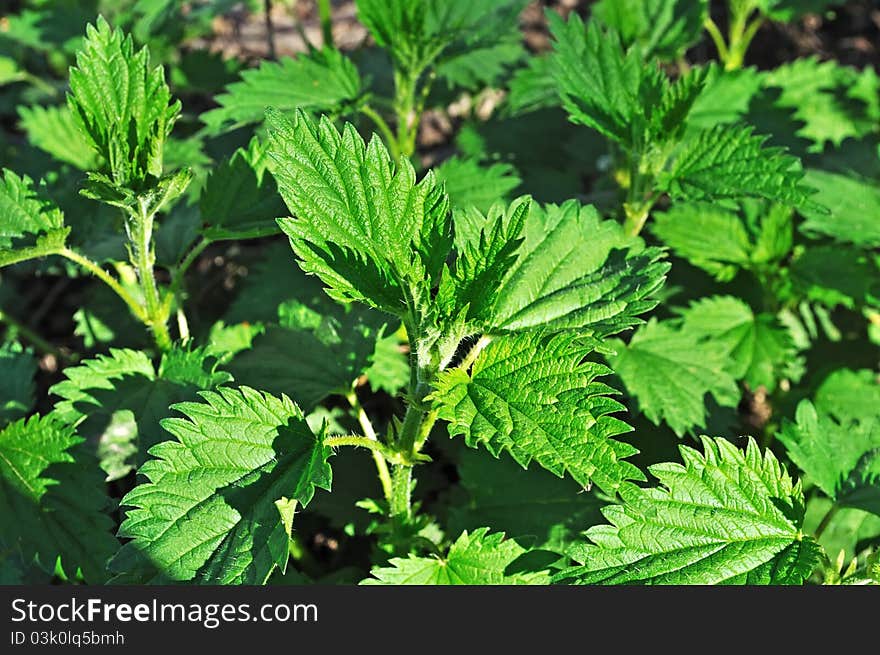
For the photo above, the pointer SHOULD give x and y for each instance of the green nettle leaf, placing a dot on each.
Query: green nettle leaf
(577, 271)
(613, 91)
(842, 456)
(218, 498)
(665, 28)
(836, 276)
(477, 38)
(17, 389)
(123, 106)
(732, 162)
(725, 516)
(854, 205)
(846, 394)
(470, 184)
(478, 558)
(23, 211)
(537, 398)
(389, 365)
(487, 247)
(533, 87)
(759, 349)
(830, 102)
(320, 81)
(721, 241)
(239, 200)
(117, 400)
(726, 96)
(51, 501)
(362, 224)
(533, 506)
(669, 371)
(54, 130)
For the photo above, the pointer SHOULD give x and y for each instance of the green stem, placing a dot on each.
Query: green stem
(35, 339)
(105, 277)
(362, 442)
(181, 269)
(325, 12)
(636, 217)
(385, 129)
(717, 38)
(143, 259)
(378, 456)
(826, 521)
(401, 494)
(406, 106)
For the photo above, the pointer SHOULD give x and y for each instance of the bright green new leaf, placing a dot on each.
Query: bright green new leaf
(841, 456)
(669, 371)
(758, 349)
(487, 248)
(725, 516)
(123, 106)
(51, 501)
(614, 91)
(853, 203)
(577, 271)
(478, 558)
(319, 81)
(533, 87)
(722, 241)
(537, 398)
(361, 223)
(209, 509)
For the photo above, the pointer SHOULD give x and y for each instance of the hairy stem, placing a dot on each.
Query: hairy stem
(378, 457)
(143, 258)
(356, 441)
(105, 277)
(717, 38)
(401, 494)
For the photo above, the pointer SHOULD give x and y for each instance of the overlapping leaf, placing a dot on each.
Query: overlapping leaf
(840, 454)
(725, 516)
(51, 501)
(240, 199)
(17, 389)
(219, 498)
(360, 222)
(534, 506)
(733, 162)
(670, 371)
(117, 400)
(576, 271)
(535, 397)
(478, 558)
(759, 350)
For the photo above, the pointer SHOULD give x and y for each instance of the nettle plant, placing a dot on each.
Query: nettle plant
(417, 319)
